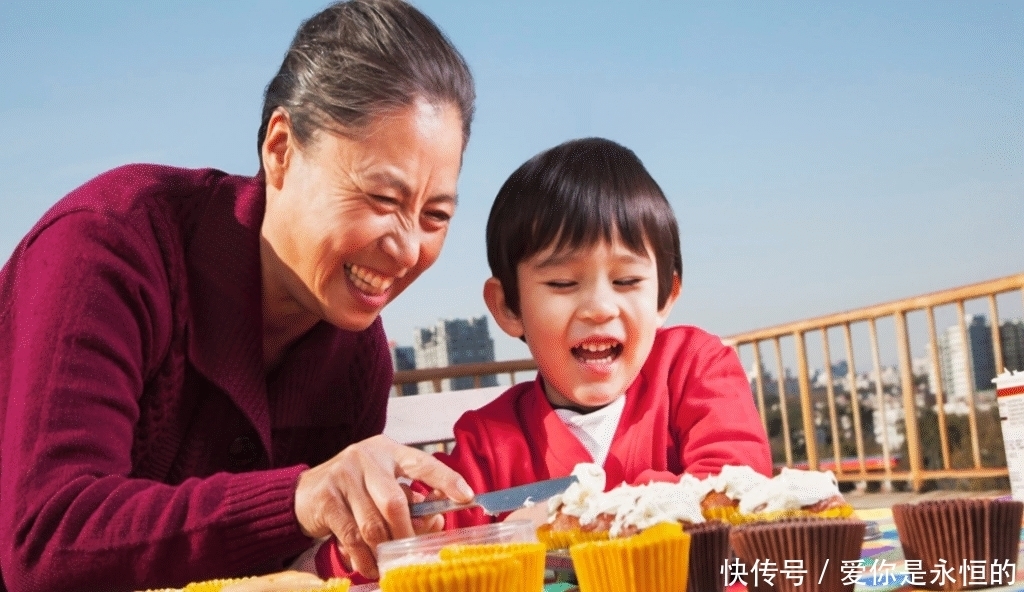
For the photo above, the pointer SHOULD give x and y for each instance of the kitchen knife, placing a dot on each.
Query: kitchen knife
(496, 502)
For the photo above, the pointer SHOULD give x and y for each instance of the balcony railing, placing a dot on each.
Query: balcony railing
(476, 370)
(798, 420)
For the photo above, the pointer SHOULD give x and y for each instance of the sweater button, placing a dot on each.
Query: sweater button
(243, 452)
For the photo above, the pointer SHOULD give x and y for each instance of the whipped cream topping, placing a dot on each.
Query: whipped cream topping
(791, 489)
(640, 506)
(735, 481)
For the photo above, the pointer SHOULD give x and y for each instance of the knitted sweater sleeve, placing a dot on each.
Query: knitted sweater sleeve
(83, 312)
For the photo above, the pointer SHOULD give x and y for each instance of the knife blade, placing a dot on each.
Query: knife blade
(496, 502)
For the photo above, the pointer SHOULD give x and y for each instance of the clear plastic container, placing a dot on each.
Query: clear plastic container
(425, 548)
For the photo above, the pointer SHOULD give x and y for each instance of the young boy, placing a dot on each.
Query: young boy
(584, 252)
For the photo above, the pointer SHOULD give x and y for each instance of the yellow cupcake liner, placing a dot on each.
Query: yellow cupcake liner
(331, 585)
(563, 539)
(842, 511)
(498, 572)
(530, 555)
(656, 560)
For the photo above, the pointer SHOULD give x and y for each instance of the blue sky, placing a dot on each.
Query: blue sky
(820, 157)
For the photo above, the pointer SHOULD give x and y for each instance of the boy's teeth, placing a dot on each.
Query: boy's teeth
(599, 353)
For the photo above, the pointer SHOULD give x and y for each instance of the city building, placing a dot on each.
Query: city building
(1011, 334)
(403, 357)
(451, 342)
(965, 367)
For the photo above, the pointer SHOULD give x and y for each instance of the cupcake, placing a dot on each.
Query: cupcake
(793, 494)
(709, 548)
(500, 572)
(501, 556)
(529, 555)
(287, 581)
(720, 494)
(818, 546)
(586, 513)
(655, 560)
(951, 532)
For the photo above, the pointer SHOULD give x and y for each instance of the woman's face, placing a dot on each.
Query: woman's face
(353, 221)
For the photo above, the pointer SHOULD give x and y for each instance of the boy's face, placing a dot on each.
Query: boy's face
(589, 317)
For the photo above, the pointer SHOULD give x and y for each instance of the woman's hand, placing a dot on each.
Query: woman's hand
(356, 497)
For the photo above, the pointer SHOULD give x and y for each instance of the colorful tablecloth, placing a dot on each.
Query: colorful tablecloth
(884, 569)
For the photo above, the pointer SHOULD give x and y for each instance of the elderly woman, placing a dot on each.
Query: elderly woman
(193, 370)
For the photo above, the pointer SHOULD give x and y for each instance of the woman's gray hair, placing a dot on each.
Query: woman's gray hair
(360, 59)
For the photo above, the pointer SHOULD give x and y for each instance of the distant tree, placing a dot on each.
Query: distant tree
(961, 454)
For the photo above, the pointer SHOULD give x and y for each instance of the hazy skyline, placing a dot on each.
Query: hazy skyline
(819, 157)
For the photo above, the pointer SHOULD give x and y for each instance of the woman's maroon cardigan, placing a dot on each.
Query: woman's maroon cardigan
(142, 443)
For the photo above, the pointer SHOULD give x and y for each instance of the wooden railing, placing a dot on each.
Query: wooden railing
(476, 370)
(915, 473)
(905, 465)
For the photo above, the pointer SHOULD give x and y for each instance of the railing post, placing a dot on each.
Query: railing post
(940, 403)
(997, 340)
(882, 416)
(851, 377)
(909, 401)
(972, 417)
(759, 384)
(831, 395)
(810, 435)
(783, 407)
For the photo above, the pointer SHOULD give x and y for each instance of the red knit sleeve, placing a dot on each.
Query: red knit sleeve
(714, 416)
(82, 315)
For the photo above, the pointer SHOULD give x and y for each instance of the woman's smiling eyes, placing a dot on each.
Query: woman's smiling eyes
(384, 199)
(438, 216)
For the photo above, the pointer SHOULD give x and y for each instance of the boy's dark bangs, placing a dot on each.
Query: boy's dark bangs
(590, 215)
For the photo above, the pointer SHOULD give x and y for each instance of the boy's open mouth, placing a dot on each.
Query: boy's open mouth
(603, 352)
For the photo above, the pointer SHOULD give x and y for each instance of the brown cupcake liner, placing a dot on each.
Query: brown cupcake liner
(956, 531)
(709, 548)
(820, 544)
